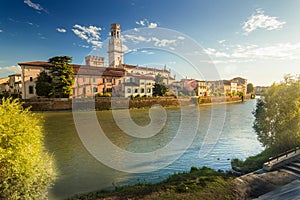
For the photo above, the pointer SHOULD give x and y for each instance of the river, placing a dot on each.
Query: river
(80, 172)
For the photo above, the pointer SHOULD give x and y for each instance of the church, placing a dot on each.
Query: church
(117, 79)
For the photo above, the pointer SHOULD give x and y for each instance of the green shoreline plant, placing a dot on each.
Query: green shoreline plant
(26, 170)
(277, 123)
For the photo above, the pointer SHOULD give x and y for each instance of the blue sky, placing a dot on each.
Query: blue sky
(258, 40)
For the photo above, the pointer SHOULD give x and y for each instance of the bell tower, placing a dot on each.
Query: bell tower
(115, 53)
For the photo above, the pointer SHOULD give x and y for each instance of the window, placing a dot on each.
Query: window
(148, 90)
(83, 79)
(84, 91)
(142, 83)
(120, 82)
(31, 79)
(142, 90)
(94, 80)
(31, 90)
(128, 90)
(109, 90)
(95, 89)
(136, 90)
(109, 80)
(131, 80)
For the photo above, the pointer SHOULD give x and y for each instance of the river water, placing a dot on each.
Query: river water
(80, 172)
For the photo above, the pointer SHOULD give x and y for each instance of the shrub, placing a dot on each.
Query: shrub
(26, 170)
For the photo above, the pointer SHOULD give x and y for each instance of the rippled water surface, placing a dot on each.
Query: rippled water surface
(80, 172)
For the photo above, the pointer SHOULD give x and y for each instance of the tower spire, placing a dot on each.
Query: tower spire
(115, 53)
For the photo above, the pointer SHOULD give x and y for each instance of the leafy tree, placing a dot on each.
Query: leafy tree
(26, 170)
(61, 74)
(250, 88)
(160, 88)
(44, 84)
(277, 115)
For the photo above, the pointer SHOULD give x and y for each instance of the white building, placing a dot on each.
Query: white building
(134, 85)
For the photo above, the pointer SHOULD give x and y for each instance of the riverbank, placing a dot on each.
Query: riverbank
(106, 103)
(197, 184)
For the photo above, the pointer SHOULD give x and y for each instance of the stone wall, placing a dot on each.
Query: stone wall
(104, 103)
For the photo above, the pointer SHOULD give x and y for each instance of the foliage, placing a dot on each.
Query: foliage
(197, 184)
(100, 94)
(61, 74)
(5, 95)
(250, 88)
(26, 170)
(44, 85)
(160, 88)
(252, 163)
(277, 115)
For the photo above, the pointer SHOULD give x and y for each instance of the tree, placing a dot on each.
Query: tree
(250, 88)
(61, 73)
(160, 88)
(44, 84)
(26, 170)
(277, 115)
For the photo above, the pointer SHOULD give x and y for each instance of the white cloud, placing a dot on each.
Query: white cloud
(145, 22)
(90, 34)
(251, 52)
(261, 21)
(84, 46)
(147, 52)
(61, 30)
(136, 39)
(34, 5)
(221, 41)
(162, 42)
(152, 25)
(1, 31)
(142, 22)
(10, 70)
(181, 38)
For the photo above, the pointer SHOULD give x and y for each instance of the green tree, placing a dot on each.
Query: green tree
(277, 115)
(160, 88)
(44, 85)
(61, 74)
(250, 88)
(26, 170)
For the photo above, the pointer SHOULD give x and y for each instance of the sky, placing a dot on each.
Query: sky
(254, 39)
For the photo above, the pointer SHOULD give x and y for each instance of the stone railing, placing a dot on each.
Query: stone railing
(282, 159)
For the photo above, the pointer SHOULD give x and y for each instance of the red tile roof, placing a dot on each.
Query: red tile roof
(82, 69)
(37, 64)
(144, 68)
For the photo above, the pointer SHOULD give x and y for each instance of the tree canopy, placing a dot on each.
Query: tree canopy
(61, 73)
(44, 85)
(160, 88)
(58, 81)
(250, 88)
(26, 170)
(277, 115)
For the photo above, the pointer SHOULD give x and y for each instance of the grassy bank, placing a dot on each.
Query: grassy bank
(197, 184)
(253, 163)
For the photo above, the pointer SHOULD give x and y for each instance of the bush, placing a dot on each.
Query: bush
(100, 94)
(26, 170)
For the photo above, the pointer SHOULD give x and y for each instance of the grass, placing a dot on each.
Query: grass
(203, 183)
(252, 163)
